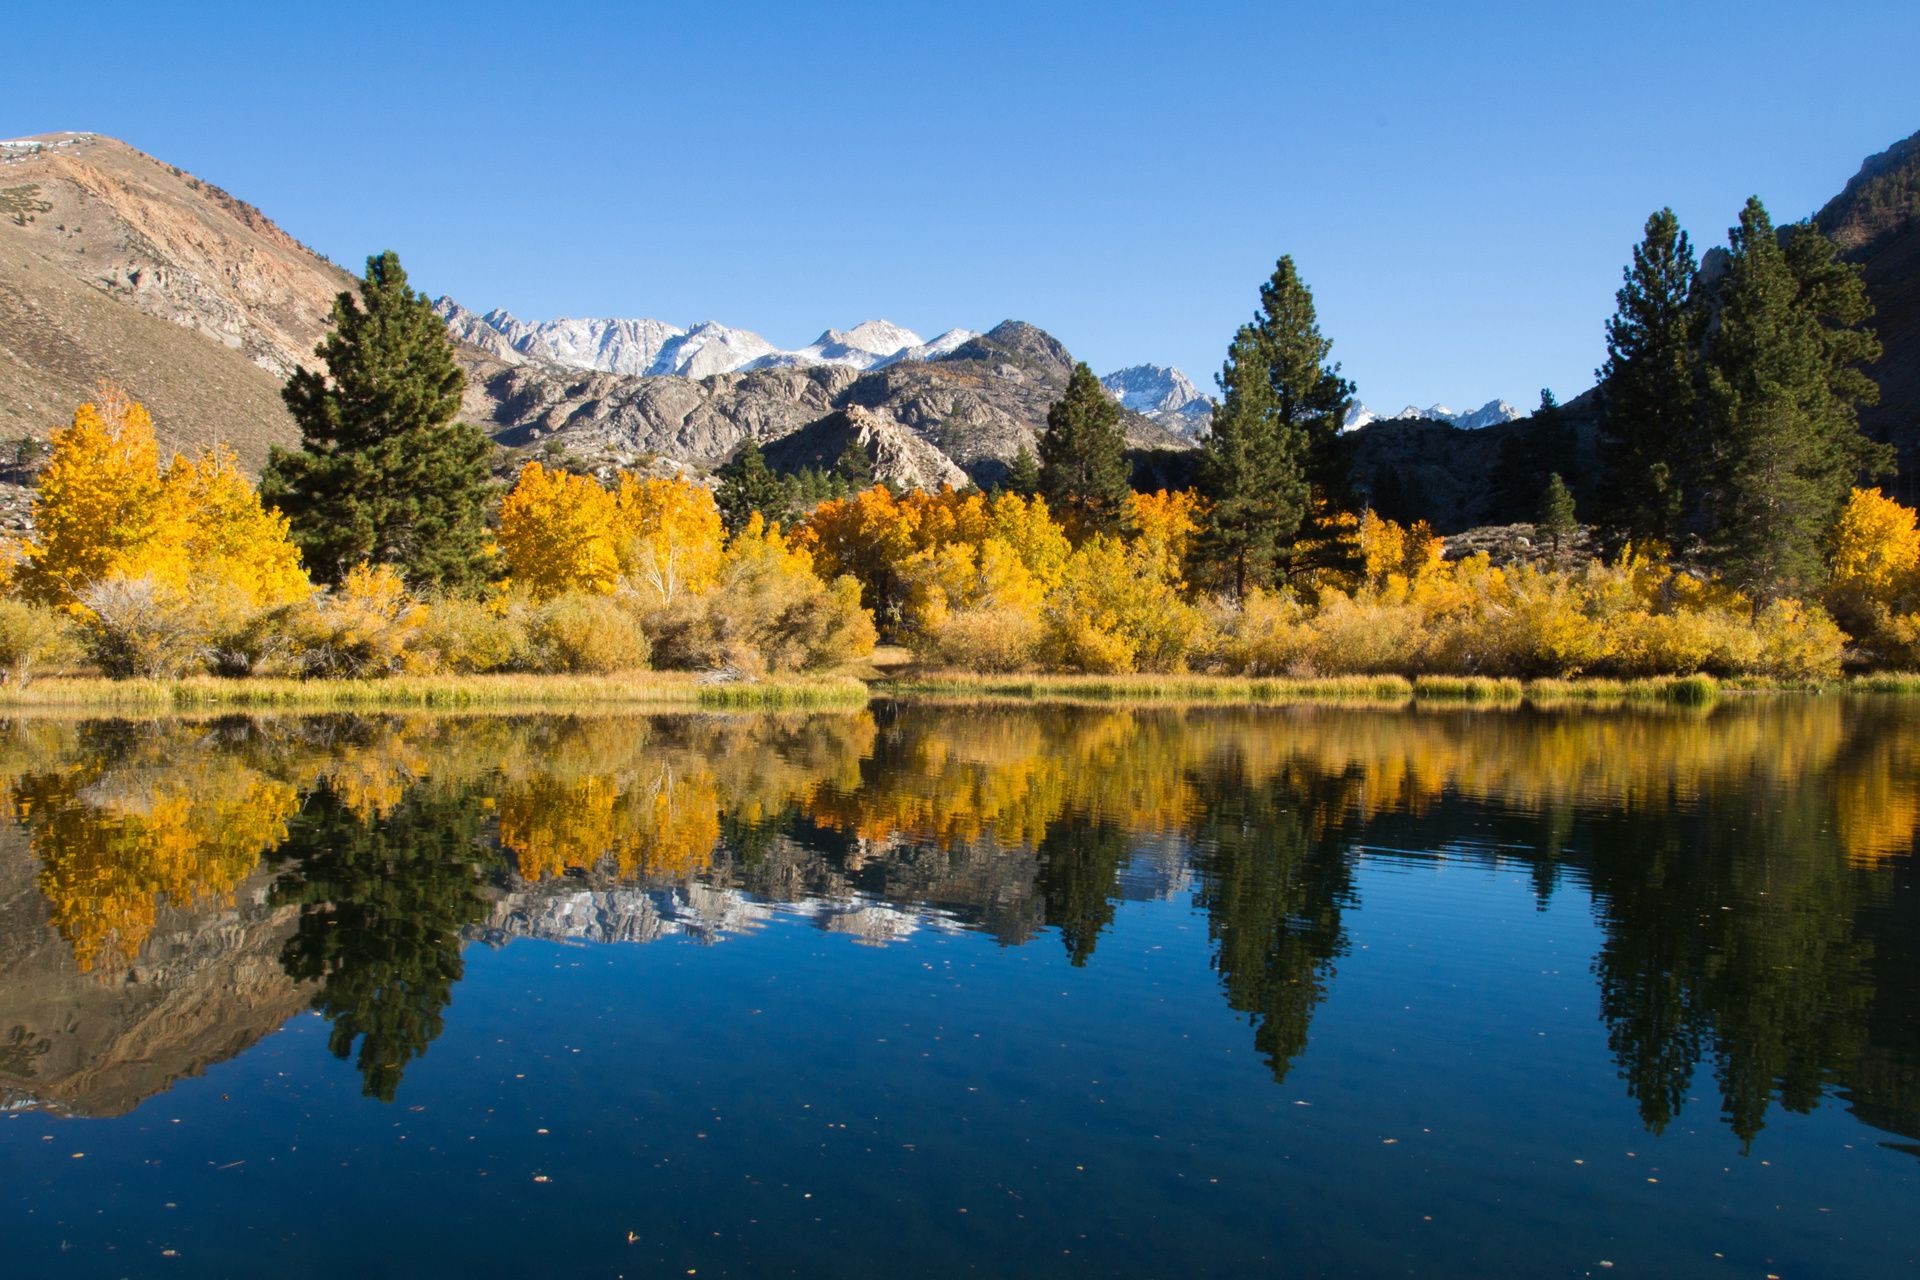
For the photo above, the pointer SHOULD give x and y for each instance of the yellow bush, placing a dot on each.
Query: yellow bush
(364, 628)
(1875, 589)
(1268, 634)
(466, 637)
(992, 638)
(1113, 612)
(586, 634)
(31, 636)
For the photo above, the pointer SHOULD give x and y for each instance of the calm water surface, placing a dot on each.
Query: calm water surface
(914, 991)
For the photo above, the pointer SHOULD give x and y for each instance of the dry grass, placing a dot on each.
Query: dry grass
(663, 689)
(1189, 689)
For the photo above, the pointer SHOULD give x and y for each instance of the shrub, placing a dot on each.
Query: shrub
(1112, 613)
(1267, 635)
(138, 627)
(586, 634)
(997, 639)
(360, 630)
(468, 637)
(767, 613)
(31, 636)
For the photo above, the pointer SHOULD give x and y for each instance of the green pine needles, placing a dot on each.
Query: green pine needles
(383, 472)
(1275, 439)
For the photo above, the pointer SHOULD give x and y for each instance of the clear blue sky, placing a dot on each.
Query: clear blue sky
(1460, 184)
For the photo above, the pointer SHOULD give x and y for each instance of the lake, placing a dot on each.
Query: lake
(1000, 991)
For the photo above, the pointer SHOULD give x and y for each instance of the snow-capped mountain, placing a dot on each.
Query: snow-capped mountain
(1487, 415)
(1164, 394)
(658, 349)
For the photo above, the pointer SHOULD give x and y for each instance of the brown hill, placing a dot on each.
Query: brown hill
(115, 265)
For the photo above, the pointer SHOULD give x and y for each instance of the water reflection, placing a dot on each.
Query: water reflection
(1751, 869)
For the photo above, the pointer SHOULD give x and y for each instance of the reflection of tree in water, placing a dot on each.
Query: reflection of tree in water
(1730, 928)
(1752, 870)
(1079, 874)
(1275, 872)
(383, 900)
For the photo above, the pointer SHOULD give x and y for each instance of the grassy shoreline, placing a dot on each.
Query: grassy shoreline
(1376, 691)
(684, 690)
(661, 689)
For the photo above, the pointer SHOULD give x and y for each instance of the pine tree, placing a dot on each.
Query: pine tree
(1534, 448)
(1650, 426)
(747, 486)
(1275, 438)
(855, 467)
(383, 472)
(1083, 456)
(1782, 402)
(1557, 522)
(1023, 473)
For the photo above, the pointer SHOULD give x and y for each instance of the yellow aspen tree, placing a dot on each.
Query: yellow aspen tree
(229, 537)
(98, 511)
(669, 534)
(557, 531)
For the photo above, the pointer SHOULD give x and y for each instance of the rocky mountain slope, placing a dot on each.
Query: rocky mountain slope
(1165, 395)
(1876, 222)
(207, 984)
(975, 406)
(654, 348)
(115, 265)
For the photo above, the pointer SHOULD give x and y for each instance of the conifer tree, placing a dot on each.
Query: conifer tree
(1083, 456)
(383, 472)
(748, 487)
(1557, 522)
(1650, 427)
(1782, 397)
(1275, 436)
(1023, 473)
(855, 467)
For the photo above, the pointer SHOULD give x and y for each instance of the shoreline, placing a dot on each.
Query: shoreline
(687, 690)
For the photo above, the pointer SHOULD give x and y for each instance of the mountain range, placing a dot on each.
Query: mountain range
(116, 265)
(1492, 413)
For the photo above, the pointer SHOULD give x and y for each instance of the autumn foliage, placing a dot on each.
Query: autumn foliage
(167, 569)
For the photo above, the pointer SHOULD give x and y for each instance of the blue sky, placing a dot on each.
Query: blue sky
(1460, 184)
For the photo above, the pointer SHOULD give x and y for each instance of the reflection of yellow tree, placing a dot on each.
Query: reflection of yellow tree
(664, 826)
(110, 848)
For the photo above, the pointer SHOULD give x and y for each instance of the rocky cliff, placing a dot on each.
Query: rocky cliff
(1876, 221)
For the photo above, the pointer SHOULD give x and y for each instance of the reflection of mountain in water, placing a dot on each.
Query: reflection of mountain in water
(208, 985)
(173, 893)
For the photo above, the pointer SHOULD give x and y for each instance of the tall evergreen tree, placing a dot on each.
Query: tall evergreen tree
(383, 472)
(1782, 397)
(1557, 522)
(1650, 427)
(1023, 473)
(855, 467)
(1275, 437)
(1083, 456)
(748, 486)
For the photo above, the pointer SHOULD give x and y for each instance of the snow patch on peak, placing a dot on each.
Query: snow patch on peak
(1487, 415)
(658, 349)
(1163, 393)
